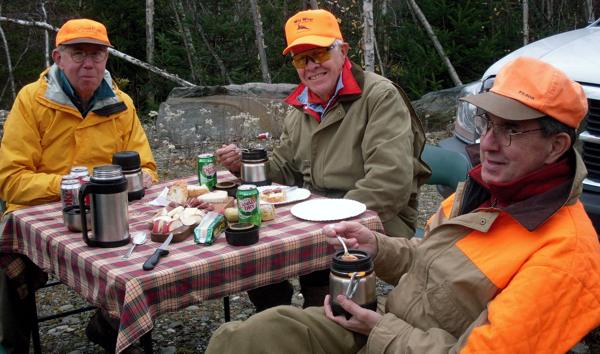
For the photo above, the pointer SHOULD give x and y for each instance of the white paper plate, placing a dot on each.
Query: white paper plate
(328, 209)
(294, 195)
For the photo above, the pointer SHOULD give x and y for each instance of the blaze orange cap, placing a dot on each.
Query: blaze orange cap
(82, 30)
(528, 88)
(318, 28)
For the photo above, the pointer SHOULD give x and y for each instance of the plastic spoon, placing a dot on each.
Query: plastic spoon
(139, 238)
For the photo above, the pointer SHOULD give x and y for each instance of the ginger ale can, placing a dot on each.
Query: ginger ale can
(207, 171)
(248, 204)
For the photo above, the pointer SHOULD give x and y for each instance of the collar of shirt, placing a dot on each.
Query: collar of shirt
(312, 104)
(103, 91)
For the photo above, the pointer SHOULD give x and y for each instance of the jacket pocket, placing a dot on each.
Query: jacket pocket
(446, 310)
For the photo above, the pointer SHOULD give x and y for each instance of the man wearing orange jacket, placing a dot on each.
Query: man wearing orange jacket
(509, 264)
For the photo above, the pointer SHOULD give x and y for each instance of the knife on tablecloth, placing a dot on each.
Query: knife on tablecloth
(160, 252)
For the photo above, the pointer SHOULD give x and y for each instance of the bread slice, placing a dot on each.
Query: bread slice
(194, 190)
(178, 193)
(214, 197)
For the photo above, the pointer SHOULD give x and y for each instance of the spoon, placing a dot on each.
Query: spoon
(346, 253)
(138, 238)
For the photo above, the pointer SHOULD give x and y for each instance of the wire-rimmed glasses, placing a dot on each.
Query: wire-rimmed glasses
(502, 133)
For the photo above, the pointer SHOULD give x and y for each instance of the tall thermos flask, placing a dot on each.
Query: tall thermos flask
(108, 207)
(130, 165)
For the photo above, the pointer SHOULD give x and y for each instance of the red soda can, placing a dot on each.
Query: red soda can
(86, 180)
(69, 190)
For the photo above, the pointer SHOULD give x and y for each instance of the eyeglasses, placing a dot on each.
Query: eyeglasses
(318, 55)
(502, 133)
(79, 56)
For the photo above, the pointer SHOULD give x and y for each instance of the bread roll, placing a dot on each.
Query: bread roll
(178, 193)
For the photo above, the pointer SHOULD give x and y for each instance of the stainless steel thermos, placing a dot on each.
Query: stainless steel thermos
(108, 207)
(255, 167)
(130, 165)
(354, 278)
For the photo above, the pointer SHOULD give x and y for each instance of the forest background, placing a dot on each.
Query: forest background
(214, 42)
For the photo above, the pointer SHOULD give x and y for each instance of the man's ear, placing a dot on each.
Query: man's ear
(345, 48)
(560, 143)
(56, 56)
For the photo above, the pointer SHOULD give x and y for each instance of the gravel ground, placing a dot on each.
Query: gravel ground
(188, 330)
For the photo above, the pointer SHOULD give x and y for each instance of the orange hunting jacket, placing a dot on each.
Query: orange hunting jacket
(524, 279)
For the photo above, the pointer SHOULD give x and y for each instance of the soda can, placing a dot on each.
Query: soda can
(207, 171)
(69, 190)
(248, 202)
(86, 199)
(80, 171)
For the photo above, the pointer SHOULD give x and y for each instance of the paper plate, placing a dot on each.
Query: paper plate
(328, 209)
(294, 195)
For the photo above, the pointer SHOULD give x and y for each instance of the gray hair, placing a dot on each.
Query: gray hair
(552, 126)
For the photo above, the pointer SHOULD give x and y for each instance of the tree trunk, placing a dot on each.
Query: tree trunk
(112, 51)
(260, 42)
(314, 5)
(150, 31)
(436, 42)
(368, 35)
(9, 68)
(525, 22)
(200, 30)
(186, 35)
(589, 7)
(46, 35)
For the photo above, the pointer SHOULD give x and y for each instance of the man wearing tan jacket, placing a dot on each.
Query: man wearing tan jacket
(509, 264)
(350, 134)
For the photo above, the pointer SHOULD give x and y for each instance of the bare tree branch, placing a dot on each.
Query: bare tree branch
(186, 35)
(368, 35)
(525, 22)
(150, 31)
(46, 35)
(8, 62)
(214, 54)
(112, 51)
(436, 42)
(260, 42)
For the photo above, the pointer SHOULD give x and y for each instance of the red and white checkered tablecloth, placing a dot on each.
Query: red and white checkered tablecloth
(191, 273)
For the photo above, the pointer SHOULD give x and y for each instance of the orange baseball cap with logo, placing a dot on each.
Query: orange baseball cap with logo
(528, 88)
(82, 30)
(311, 28)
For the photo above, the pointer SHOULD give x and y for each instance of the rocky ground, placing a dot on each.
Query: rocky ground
(188, 330)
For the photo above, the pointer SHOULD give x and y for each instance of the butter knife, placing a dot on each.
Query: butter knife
(160, 252)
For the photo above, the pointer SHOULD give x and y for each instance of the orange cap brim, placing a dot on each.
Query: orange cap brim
(502, 106)
(317, 41)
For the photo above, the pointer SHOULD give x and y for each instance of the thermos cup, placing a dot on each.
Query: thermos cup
(354, 278)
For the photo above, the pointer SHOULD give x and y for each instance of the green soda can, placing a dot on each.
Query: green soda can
(207, 172)
(248, 204)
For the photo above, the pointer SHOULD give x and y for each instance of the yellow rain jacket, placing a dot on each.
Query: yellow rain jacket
(45, 135)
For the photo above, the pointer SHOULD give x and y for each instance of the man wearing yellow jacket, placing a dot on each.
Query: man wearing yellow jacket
(509, 264)
(73, 115)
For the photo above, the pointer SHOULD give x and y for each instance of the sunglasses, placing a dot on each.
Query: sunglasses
(317, 55)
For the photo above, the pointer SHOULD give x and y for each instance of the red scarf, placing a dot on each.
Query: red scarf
(534, 183)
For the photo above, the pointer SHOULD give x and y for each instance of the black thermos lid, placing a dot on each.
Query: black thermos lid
(255, 154)
(128, 160)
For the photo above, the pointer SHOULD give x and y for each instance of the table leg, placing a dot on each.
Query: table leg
(35, 329)
(146, 342)
(226, 309)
